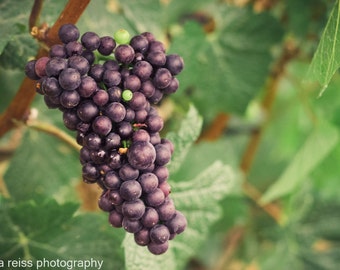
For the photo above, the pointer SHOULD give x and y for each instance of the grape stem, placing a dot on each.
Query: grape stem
(21, 102)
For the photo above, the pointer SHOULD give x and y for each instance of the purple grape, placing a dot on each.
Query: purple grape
(174, 63)
(165, 187)
(90, 41)
(155, 198)
(69, 99)
(127, 172)
(141, 115)
(96, 72)
(112, 78)
(169, 144)
(70, 119)
(142, 238)
(115, 94)
(133, 210)
(102, 125)
(87, 87)
(115, 160)
(84, 155)
(148, 181)
(124, 54)
(112, 140)
(90, 172)
(87, 111)
(73, 48)
(107, 45)
(115, 111)
(139, 43)
(150, 217)
(69, 79)
(40, 66)
(89, 56)
(147, 88)
(68, 33)
(138, 101)
(130, 190)
(141, 135)
(154, 123)
(163, 154)
(155, 138)
(158, 249)
(115, 197)
(159, 234)
(124, 129)
(104, 203)
(156, 58)
(57, 50)
(79, 63)
(30, 70)
(130, 115)
(111, 65)
(98, 156)
(101, 98)
(92, 141)
(155, 46)
(177, 223)
(115, 219)
(149, 36)
(166, 210)
(141, 155)
(143, 70)
(52, 103)
(132, 82)
(131, 226)
(172, 87)
(162, 78)
(50, 87)
(111, 180)
(54, 66)
(156, 97)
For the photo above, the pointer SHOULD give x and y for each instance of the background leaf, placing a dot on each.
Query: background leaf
(326, 59)
(320, 141)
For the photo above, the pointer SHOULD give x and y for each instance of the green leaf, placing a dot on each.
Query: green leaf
(139, 258)
(13, 20)
(50, 167)
(326, 59)
(199, 200)
(17, 52)
(186, 135)
(42, 229)
(225, 69)
(316, 147)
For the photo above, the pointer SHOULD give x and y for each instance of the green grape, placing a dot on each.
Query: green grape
(122, 36)
(127, 95)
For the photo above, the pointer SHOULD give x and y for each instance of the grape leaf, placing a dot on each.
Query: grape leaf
(52, 168)
(186, 135)
(13, 20)
(199, 200)
(326, 59)
(43, 229)
(316, 147)
(225, 69)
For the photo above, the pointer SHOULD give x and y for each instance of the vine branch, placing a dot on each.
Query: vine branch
(289, 51)
(20, 104)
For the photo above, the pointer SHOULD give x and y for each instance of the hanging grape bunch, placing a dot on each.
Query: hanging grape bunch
(105, 88)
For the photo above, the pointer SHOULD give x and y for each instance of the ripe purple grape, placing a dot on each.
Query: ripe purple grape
(102, 125)
(107, 45)
(68, 33)
(133, 210)
(69, 79)
(130, 190)
(90, 41)
(124, 54)
(141, 155)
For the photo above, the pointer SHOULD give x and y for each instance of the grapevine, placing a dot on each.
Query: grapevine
(106, 88)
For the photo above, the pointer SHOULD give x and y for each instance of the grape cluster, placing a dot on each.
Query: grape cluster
(106, 87)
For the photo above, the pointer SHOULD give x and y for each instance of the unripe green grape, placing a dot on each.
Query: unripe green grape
(127, 95)
(122, 36)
